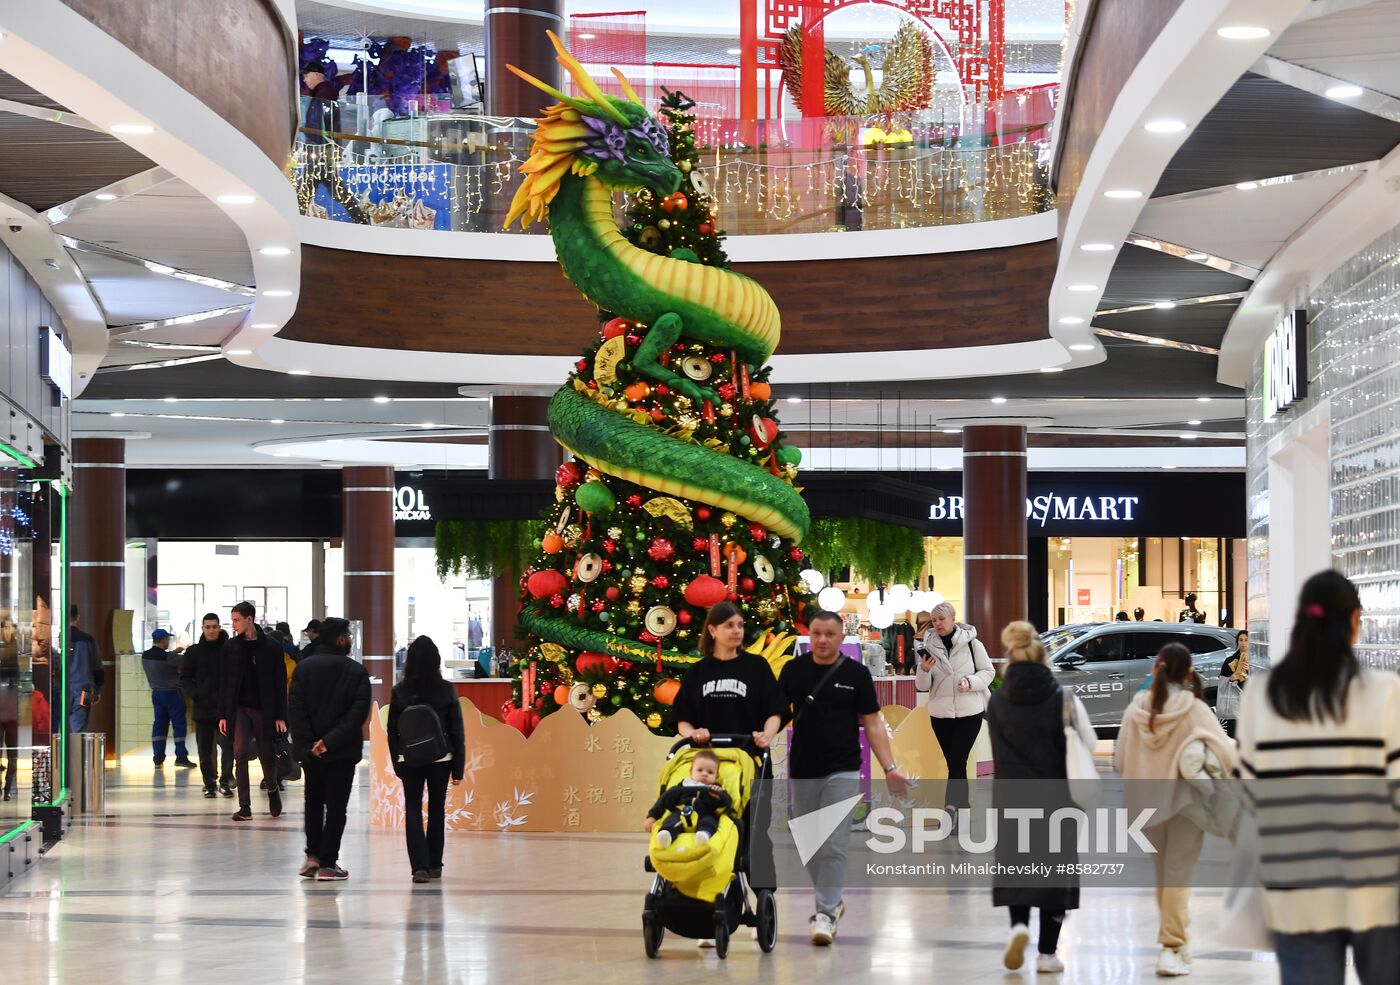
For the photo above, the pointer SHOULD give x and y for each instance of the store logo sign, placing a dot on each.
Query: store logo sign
(1286, 364)
(1051, 506)
(55, 364)
(411, 504)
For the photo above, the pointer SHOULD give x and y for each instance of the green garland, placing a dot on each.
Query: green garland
(883, 552)
(486, 548)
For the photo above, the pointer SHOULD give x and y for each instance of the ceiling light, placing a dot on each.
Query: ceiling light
(1247, 186)
(133, 129)
(299, 372)
(1097, 247)
(381, 400)
(159, 268)
(239, 352)
(1083, 287)
(1082, 347)
(1243, 32)
(794, 400)
(1071, 320)
(952, 431)
(274, 251)
(277, 420)
(263, 324)
(1189, 437)
(427, 424)
(276, 294)
(1164, 305)
(172, 400)
(105, 197)
(1202, 400)
(1344, 92)
(1198, 257)
(1052, 369)
(1164, 126)
(1123, 193)
(118, 413)
(998, 400)
(1194, 423)
(1168, 466)
(236, 199)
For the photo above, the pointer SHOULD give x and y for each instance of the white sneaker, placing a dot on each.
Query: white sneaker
(663, 838)
(1173, 962)
(1048, 964)
(1015, 954)
(823, 930)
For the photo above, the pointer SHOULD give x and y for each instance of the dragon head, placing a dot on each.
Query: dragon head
(615, 140)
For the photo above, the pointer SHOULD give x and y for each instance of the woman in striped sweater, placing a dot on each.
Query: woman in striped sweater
(1320, 757)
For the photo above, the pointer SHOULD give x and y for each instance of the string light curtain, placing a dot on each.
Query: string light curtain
(604, 41)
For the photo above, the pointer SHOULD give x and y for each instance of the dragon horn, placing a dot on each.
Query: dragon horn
(545, 87)
(585, 82)
(627, 87)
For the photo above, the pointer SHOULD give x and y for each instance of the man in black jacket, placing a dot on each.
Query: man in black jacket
(328, 706)
(253, 705)
(200, 679)
(86, 675)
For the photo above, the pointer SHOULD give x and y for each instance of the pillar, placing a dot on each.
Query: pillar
(994, 530)
(515, 35)
(96, 571)
(367, 536)
(520, 447)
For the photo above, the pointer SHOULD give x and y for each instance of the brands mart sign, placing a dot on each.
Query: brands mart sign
(1286, 364)
(1051, 506)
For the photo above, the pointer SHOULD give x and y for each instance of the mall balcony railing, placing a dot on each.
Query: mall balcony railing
(435, 168)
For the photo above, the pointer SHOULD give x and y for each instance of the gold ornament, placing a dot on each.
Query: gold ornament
(685, 166)
(725, 410)
(600, 690)
(672, 509)
(683, 634)
(615, 533)
(728, 519)
(654, 720)
(634, 607)
(553, 652)
(767, 610)
(664, 224)
(638, 584)
(595, 716)
(610, 353)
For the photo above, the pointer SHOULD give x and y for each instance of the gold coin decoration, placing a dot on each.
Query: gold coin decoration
(610, 353)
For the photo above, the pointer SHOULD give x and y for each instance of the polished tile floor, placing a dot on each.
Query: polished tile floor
(165, 889)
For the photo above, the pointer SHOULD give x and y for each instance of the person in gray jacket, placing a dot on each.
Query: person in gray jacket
(162, 669)
(956, 672)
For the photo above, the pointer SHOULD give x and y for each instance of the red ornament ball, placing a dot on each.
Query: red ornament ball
(613, 593)
(609, 546)
(757, 532)
(614, 327)
(796, 554)
(718, 358)
(599, 605)
(700, 544)
(661, 581)
(704, 229)
(657, 414)
(635, 501)
(702, 513)
(746, 585)
(557, 601)
(592, 384)
(661, 549)
(568, 475)
(662, 390)
(605, 567)
(646, 636)
(684, 617)
(634, 340)
(582, 365)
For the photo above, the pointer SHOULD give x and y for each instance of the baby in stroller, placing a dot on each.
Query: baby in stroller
(699, 796)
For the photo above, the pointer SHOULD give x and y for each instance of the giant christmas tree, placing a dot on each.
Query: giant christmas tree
(680, 490)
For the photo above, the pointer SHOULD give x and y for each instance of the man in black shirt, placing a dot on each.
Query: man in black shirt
(829, 699)
(254, 704)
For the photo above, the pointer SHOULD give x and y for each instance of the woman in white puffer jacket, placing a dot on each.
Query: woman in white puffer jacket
(956, 672)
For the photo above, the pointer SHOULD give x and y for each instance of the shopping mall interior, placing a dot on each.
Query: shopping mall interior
(546, 330)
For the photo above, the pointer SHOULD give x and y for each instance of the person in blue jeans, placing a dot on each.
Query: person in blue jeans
(162, 669)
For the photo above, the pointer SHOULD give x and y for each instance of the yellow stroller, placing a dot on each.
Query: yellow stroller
(702, 890)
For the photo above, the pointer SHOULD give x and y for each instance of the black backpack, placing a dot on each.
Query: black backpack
(421, 739)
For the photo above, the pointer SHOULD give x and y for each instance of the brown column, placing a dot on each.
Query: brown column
(367, 498)
(97, 548)
(515, 35)
(521, 447)
(994, 530)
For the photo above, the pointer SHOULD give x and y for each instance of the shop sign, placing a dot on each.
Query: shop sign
(1052, 506)
(411, 504)
(1083, 595)
(1286, 364)
(55, 364)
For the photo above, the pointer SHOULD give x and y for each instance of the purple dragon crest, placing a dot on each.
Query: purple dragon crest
(612, 139)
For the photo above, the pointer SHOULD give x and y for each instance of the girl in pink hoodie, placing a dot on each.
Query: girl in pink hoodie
(1162, 723)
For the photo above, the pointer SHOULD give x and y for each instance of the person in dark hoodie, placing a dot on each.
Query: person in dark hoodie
(162, 669)
(200, 678)
(328, 706)
(1025, 721)
(254, 704)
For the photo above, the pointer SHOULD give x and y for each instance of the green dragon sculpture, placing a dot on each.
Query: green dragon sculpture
(584, 149)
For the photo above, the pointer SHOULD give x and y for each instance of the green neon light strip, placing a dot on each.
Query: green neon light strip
(17, 455)
(16, 831)
(60, 768)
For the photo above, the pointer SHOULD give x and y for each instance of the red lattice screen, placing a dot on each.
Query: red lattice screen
(714, 88)
(604, 41)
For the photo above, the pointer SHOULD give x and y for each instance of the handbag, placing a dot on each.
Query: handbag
(1243, 921)
(1085, 787)
(1227, 700)
(287, 766)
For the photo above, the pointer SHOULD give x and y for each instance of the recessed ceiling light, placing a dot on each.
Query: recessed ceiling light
(277, 420)
(1071, 320)
(1168, 466)
(998, 400)
(1194, 423)
(1052, 369)
(133, 129)
(1198, 257)
(1124, 193)
(105, 197)
(1189, 437)
(1164, 126)
(263, 324)
(1164, 305)
(118, 413)
(1202, 400)
(299, 372)
(1344, 92)
(1097, 247)
(381, 400)
(1083, 287)
(239, 352)
(1243, 32)
(274, 251)
(1247, 186)
(794, 400)
(236, 199)
(172, 400)
(952, 431)
(276, 294)
(1082, 347)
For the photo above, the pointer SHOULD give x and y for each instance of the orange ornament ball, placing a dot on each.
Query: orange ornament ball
(561, 695)
(552, 543)
(735, 553)
(637, 391)
(760, 391)
(666, 691)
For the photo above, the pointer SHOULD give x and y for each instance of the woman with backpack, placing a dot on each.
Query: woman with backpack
(1169, 742)
(427, 748)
